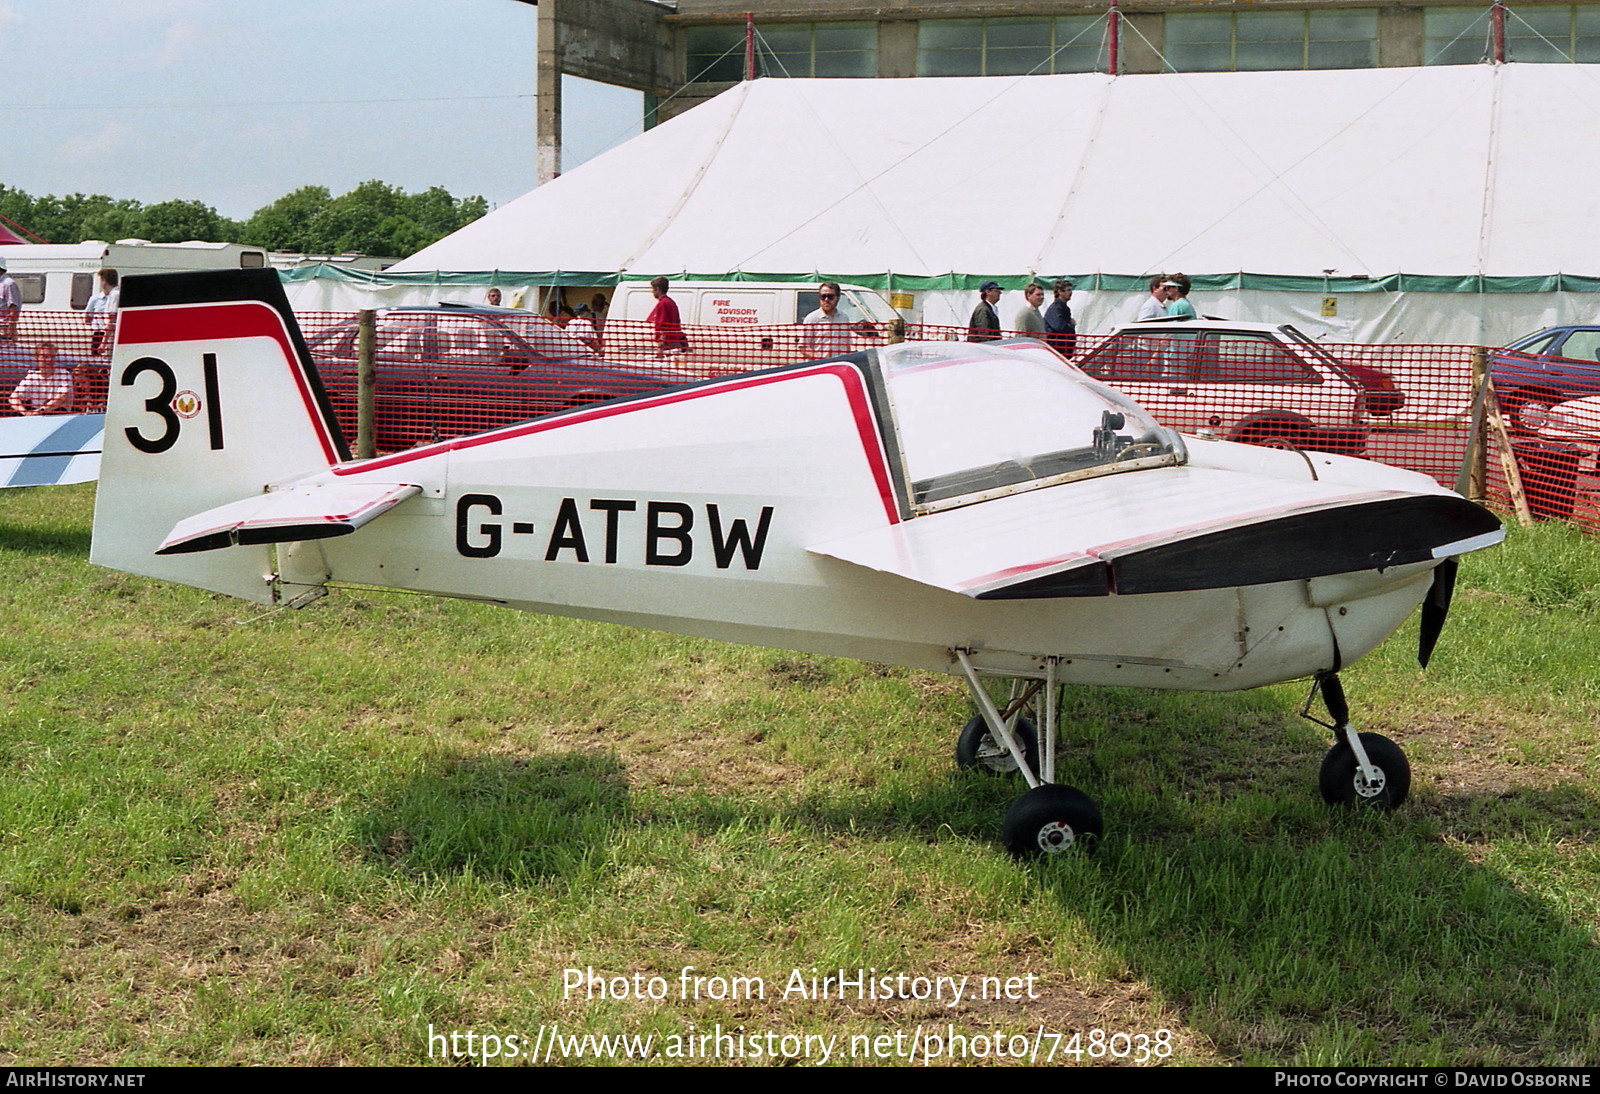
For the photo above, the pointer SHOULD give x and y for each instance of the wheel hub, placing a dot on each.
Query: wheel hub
(996, 756)
(1055, 837)
(1370, 788)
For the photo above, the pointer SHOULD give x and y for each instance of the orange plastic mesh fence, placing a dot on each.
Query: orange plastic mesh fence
(442, 374)
(1550, 409)
(65, 355)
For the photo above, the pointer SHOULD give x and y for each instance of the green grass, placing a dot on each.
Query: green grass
(308, 837)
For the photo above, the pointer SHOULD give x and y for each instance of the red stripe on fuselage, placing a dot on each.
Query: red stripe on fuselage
(219, 322)
(847, 375)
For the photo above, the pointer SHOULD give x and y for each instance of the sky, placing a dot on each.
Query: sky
(236, 104)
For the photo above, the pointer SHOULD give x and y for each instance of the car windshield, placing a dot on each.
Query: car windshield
(547, 339)
(1538, 342)
(973, 420)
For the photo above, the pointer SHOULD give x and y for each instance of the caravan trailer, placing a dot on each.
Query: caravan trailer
(60, 276)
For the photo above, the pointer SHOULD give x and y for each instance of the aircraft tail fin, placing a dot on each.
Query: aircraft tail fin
(212, 397)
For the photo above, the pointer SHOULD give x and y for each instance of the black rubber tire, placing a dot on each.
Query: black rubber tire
(1275, 429)
(1051, 820)
(979, 750)
(1338, 780)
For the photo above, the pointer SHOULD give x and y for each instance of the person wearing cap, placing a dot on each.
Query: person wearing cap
(1028, 320)
(985, 323)
(10, 304)
(1178, 299)
(583, 329)
(1160, 292)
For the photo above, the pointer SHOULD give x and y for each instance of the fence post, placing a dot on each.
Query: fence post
(1474, 478)
(366, 382)
(1487, 422)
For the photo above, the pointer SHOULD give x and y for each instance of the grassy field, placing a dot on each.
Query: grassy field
(314, 837)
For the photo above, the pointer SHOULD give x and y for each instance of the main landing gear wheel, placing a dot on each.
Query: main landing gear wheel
(1051, 820)
(1342, 782)
(977, 749)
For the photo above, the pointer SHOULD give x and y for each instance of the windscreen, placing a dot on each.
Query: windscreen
(977, 419)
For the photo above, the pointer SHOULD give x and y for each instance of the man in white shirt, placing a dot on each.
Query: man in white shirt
(101, 312)
(826, 333)
(583, 329)
(1155, 305)
(47, 388)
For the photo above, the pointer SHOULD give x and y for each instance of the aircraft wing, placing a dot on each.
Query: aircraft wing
(50, 449)
(1167, 530)
(312, 511)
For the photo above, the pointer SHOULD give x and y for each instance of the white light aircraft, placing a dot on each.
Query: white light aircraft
(982, 510)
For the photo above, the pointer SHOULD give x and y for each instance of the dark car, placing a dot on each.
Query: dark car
(1539, 370)
(450, 370)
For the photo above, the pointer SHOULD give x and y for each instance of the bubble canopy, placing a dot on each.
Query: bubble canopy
(978, 420)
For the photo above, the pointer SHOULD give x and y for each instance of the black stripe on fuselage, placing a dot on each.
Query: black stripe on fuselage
(1347, 539)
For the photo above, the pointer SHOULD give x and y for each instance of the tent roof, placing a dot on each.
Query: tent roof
(1447, 171)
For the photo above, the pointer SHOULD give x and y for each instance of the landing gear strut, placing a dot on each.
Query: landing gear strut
(1050, 818)
(1366, 770)
(1362, 769)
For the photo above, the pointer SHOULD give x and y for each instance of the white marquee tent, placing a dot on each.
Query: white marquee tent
(1452, 203)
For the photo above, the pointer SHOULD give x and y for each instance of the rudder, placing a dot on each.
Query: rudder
(212, 396)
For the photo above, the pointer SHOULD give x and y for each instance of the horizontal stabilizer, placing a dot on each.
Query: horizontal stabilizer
(313, 511)
(1167, 530)
(50, 449)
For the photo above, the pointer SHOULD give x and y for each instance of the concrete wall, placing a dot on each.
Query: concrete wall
(622, 42)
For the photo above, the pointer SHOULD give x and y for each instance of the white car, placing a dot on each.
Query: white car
(1558, 453)
(1261, 383)
(1575, 423)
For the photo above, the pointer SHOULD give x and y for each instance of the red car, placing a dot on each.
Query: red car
(1260, 383)
(451, 370)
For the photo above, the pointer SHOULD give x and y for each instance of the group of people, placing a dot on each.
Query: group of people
(585, 322)
(1169, 297)
(1055, 325)
(827, 332)
(48, 386)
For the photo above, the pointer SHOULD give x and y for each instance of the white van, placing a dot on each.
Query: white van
(60, 276)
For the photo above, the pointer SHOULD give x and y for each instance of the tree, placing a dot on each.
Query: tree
(285, 224)
(108, 220)
(180, 221)
(374, 218)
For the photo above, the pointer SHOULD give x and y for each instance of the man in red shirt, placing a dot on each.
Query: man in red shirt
(664, 319)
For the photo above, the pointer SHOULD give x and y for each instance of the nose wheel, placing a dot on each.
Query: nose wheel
(1366, 770)
(1384, 785)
